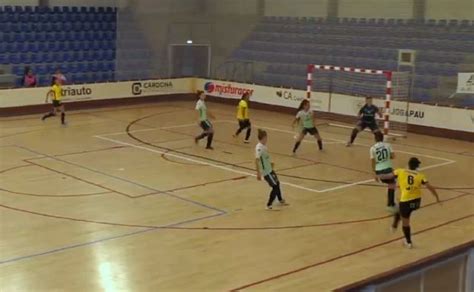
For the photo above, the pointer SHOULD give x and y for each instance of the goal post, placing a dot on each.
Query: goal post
(363, 82)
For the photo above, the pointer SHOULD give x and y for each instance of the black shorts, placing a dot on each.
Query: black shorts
(57, 103)
(372, 125)
(244, 124)
(206, 125)
(272, 179)
(383, 173)
(409, 206)
(311, 131)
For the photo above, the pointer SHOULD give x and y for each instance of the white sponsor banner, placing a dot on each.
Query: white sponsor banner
(96, 91)
(263, 94)
(415, 113)
(465, 83)
(412, 113)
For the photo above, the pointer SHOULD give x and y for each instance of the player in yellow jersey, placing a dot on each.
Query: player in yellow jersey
(243, 117)
(410, 182)
(56, 96)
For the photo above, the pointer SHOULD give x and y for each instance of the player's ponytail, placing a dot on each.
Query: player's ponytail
(302, 104)
(198, 93)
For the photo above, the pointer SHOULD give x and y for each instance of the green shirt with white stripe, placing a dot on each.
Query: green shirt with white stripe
(261, 153)
(202, 108)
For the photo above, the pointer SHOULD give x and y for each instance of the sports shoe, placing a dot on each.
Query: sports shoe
(349, 144)
(284, 203)
(407, 245)
(64, 125)
(210, 148)
(246, 141)
(269, 208)
(196, 141)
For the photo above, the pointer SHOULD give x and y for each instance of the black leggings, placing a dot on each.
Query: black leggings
(244, 124)
(272, 180)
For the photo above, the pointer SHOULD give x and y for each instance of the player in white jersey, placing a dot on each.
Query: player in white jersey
(381, 155)
(305, 117)
(204, 123)
(264, 167)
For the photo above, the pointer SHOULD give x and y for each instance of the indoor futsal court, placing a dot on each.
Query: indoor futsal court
(120, 186)
(236, 145)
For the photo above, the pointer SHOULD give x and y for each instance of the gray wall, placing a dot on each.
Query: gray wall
(450, 9)
(376, 8)
(221, 23)
(437, 9)
(312, 8)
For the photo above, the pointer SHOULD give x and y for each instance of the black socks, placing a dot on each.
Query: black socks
(407, 233)
(297, 144)
(209, 140)
(396, 220)
(354, 135)
(320, 144)
(247, 135)
(391, 198)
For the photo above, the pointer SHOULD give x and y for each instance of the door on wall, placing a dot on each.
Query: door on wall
(189, 60)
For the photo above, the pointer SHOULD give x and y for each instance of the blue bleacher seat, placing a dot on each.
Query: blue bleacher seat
(41, 69)
(94, 77)
(93, 67)
(50, 68)
(18, 70)
(110, 66)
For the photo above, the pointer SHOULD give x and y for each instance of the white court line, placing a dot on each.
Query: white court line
(373, 180)
(366, 130)
(406, 152)
(200, 162)
(150, 129)
(334, 141)
(446, 161)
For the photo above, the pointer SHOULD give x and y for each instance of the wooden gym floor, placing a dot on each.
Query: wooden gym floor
(122, 200)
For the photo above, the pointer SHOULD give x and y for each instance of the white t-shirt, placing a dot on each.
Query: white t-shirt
(261, 153)
(202, 108)
(381, 152)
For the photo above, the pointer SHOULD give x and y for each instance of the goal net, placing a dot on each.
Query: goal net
(347, 87)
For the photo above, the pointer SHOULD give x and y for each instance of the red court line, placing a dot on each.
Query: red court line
(204, 228)
(295, 167)
(207, 183)
(14, 167)
(53, 196)
(80, 179)
(345, 255)
(87, 151)
(192, 186)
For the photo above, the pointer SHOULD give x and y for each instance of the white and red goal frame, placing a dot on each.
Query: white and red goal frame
(388, 85)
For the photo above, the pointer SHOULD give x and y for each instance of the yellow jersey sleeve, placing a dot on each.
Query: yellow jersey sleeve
(410, 183)
(242, 110)
(57, 92)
